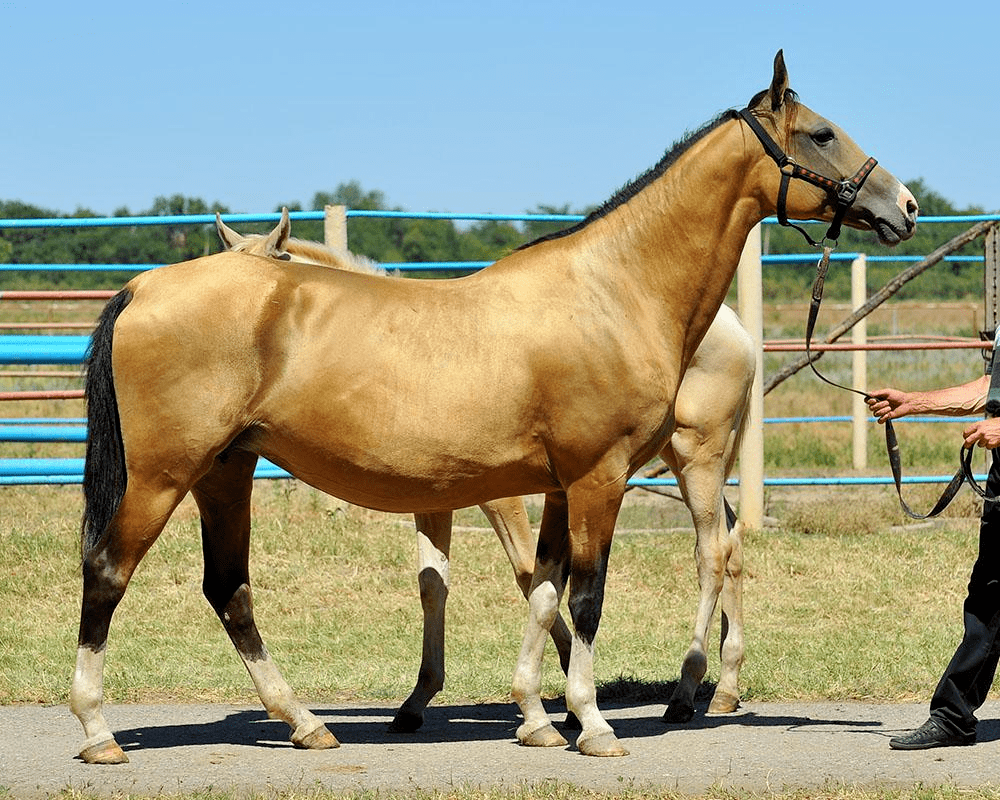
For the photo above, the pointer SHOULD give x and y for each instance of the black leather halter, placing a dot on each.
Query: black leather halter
(844, 191)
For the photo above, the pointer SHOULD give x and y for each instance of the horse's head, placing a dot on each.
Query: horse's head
(279, 245)
(270, 246)
(822, 174)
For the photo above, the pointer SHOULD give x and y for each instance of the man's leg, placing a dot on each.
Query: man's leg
(967, 679)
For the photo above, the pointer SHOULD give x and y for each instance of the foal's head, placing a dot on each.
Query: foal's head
(278, 244)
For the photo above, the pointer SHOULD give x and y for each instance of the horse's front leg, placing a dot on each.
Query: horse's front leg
(547, 583)
(223, 498)
(510, 521)
(594, 509)
(433, 546)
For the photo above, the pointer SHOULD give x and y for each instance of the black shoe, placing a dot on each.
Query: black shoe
(928, 735)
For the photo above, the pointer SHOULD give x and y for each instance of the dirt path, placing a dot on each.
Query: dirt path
(764, 747)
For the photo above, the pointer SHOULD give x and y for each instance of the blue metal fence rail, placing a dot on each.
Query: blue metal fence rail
(68, 349)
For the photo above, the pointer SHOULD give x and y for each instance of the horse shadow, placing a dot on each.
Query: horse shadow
(632, 717)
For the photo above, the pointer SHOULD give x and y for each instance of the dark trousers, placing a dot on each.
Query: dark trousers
(967, 680)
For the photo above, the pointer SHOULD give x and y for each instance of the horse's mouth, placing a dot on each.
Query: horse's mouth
(888, 234)
(891, 235)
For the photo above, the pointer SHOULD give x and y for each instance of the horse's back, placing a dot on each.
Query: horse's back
(384, 391)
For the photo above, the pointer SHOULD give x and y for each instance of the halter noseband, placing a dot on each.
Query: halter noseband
(845, 192)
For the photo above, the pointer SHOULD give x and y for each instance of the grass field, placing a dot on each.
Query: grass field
(844, 598)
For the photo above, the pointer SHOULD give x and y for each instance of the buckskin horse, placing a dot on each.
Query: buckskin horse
(710, 413)
(554, 371)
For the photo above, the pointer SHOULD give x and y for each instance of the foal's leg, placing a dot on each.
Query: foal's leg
(510, 521)
(433, 546)
(727, 693)
(223, 498)
(700, 477)
(107, 569)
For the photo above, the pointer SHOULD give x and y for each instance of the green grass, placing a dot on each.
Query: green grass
(337, 602)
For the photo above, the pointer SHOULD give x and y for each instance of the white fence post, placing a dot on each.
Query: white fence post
(335, 227)
(859, 336)
(748, 286)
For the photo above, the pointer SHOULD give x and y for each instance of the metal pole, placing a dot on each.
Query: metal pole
(748, 285)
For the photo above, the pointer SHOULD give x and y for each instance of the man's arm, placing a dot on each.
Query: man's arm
(955, 401)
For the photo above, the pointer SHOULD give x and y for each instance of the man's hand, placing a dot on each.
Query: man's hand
(886, 404)
(985, 433)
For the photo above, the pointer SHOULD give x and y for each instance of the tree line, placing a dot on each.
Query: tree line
(414, 240)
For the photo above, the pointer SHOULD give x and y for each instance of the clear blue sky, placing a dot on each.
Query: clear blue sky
(465, 106)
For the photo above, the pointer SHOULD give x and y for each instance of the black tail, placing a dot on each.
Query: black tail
(104, 476)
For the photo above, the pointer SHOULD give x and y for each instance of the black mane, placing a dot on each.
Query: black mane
(632, 188)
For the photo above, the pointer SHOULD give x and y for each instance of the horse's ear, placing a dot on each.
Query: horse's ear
(274, 245)
(779, 82)
(229, 237)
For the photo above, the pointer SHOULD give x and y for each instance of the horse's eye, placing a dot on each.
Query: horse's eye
(823, 136)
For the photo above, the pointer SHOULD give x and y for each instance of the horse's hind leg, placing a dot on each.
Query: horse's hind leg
(433, 546)
(223, 498)
(108, 565)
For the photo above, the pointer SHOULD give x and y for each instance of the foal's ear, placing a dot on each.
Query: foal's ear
(779, 82)
(229, 237)
(274, 245)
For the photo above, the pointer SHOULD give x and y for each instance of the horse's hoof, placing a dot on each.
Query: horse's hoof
(406, 722)
(317, 739)
(546, 736)
(678, 713)
(723, 703)
(572, 722)
(107, 752)
(603, 744)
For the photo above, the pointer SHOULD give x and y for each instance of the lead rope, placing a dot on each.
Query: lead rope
(964, 473)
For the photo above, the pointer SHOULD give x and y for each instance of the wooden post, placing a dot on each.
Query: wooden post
(859, 336)
(748, 285)
(335, 227)
(991, 281)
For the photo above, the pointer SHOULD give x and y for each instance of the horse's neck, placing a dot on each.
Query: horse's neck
(679, 240)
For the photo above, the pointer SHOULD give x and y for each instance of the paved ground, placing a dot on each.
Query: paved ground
(764, 747)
